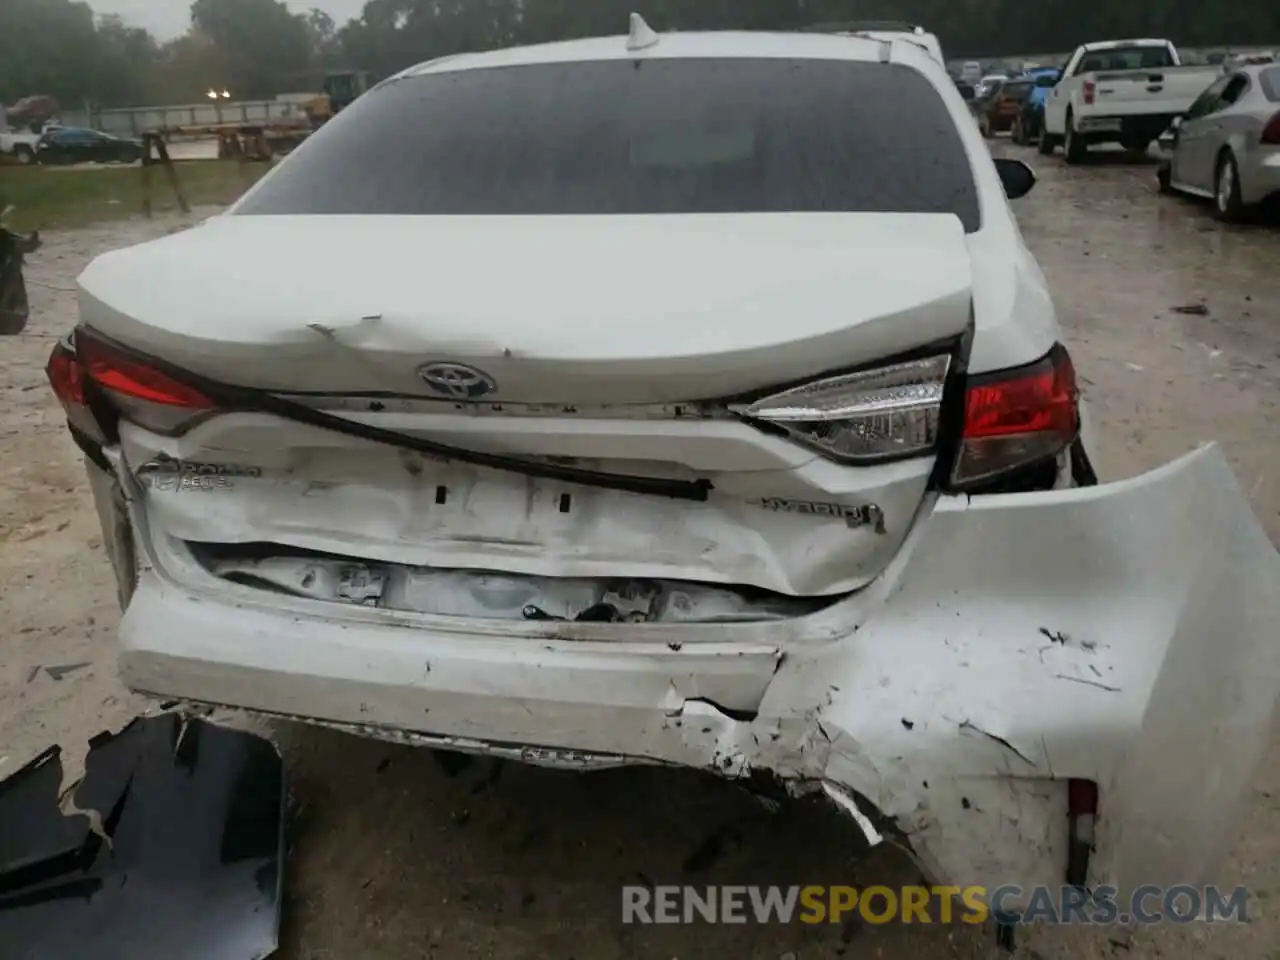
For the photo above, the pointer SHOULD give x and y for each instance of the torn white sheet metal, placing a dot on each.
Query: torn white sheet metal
(1122, 634)
(780, 518)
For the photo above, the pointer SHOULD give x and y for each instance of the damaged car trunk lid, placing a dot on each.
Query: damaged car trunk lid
(786, 512)
(547, 310)
(680, 291)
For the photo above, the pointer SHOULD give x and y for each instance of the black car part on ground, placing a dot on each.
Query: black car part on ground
(184, 858)
(15, 309)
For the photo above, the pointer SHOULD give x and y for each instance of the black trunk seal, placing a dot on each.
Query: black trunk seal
(253, 400)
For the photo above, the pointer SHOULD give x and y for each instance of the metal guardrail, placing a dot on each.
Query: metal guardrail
(135, 121)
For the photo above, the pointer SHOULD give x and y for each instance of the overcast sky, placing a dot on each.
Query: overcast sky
(169, 18)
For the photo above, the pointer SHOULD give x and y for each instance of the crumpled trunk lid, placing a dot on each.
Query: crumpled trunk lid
(571, 309)
(597, 335)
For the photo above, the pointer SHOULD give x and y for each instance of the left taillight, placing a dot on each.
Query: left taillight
(1014, 419)
(66, 377)
(129, 386)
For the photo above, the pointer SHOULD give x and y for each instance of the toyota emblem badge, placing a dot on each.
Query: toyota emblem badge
(457, 380)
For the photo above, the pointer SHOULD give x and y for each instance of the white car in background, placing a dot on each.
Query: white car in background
(22, 145)
(732, 429)
(987, 83)
(1227, 147)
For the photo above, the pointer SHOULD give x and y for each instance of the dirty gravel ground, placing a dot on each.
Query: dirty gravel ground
(396, 855)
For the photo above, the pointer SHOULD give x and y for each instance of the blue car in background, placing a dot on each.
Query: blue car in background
(1030, 120)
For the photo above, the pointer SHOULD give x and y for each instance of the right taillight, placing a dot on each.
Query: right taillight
(1090, 89)
(1271, 132)
(867, 416)
(1016, 418)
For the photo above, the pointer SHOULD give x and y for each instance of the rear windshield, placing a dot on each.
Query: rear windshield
(1269, 80)
(1016, 91)
(1127, 58)
(623, 137)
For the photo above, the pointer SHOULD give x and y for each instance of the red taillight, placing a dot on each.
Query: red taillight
(124, 376)
(1018, 417)
(136, 390)
(66, 377)
(1271, 132)
(1090, 88)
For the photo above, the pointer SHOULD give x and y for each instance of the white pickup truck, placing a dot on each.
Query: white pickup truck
(19, 145)
(1119, 91)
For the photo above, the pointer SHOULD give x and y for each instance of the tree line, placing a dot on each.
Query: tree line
(258, 48)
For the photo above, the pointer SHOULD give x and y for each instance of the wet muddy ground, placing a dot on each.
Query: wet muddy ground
(1174, 323)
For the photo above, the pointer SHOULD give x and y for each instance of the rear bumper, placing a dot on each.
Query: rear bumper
(1144, 127)
(1121, 634)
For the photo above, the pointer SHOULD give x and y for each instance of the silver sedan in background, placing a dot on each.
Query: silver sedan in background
(1227, 147)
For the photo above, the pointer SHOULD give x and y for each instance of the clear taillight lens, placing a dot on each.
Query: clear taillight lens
(880, 414)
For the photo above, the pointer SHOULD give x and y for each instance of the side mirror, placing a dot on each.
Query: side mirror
(967, 92)
(1017, 177)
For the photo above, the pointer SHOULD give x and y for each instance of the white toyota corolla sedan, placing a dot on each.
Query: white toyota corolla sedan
(685, 399)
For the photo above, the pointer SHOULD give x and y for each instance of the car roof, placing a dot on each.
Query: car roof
(727, 44)
(926, 41)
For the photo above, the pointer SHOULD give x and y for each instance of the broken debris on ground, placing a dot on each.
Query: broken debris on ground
(177, 850)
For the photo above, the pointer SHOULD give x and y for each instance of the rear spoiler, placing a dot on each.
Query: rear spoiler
(862, 26)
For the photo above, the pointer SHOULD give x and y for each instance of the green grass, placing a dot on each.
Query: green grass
(45, 197)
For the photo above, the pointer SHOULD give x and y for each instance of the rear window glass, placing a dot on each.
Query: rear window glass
(1269, 80)
(1127, 58)
(617, 137)
(1016, 91)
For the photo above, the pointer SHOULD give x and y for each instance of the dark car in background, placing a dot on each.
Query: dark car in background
(1030, 119)
(15, 309)
(1000, 108)
(80, 145)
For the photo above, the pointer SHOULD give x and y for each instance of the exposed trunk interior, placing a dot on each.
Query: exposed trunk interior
(493, 595)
